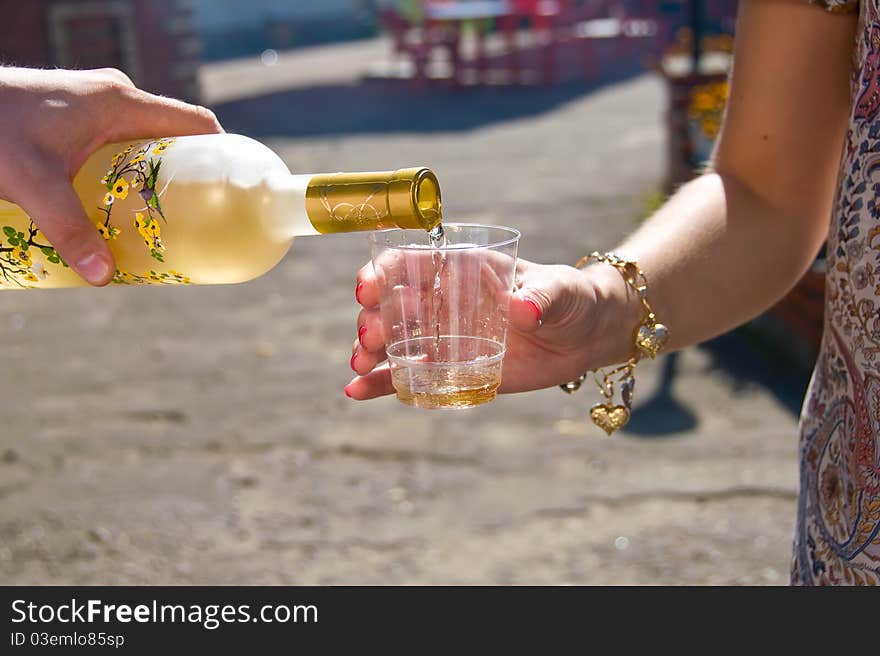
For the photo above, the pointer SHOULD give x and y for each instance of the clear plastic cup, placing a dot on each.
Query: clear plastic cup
(444, 311)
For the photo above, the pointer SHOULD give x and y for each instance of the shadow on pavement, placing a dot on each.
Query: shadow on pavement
(372, 106)
(750, 358)
(662, 415)
(745, 359)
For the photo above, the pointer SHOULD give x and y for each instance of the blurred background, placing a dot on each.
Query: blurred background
(201, 435)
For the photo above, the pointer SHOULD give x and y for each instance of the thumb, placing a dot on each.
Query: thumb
(530, 307)
(548, 296)
(47, 196)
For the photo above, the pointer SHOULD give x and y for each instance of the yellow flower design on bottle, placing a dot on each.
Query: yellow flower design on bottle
(162, 146)
(148, 228)
(134, 172)
(108, 232)
(120, 188)
(151, 278)
(131, 184)
(21, 255)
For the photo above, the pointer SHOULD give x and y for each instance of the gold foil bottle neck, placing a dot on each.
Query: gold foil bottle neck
(349, 202)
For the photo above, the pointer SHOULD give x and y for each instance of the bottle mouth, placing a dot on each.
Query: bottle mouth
(414, 198)
(426, 198)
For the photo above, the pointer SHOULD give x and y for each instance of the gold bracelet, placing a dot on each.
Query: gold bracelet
(650, 337)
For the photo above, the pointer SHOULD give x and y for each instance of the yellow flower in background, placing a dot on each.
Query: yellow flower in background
(120, 188)
(137, 158)
(108, 198)
(711, 127)
(703, 102)
(117, 158)
(161, 147)
(30, 277)
(707, 105)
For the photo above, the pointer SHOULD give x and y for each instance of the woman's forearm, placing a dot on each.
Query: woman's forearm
(716, 255)
(732, 242)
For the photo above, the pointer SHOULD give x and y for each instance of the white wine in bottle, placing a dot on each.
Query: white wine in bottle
(209, 209)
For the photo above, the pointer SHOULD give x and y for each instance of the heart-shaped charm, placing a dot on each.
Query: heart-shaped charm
(651, 338)
(609, 417)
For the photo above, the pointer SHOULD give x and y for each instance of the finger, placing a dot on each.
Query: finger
(363, 362)
(546, 296)
(374, 384)
(371, 332)
(525, 313)
(141, 114)
(367, 290)
(47, 196)
(395, 268)
(111, 74)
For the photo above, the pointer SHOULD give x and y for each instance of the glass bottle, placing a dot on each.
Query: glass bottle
(209, 209)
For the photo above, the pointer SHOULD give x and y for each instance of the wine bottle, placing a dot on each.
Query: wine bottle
(209, 209)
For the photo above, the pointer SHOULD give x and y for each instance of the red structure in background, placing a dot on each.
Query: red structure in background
(154, 42)
(595, 29)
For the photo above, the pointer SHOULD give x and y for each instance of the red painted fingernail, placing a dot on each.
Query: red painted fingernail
(357, 291)
(361, 332)
(535, 309)
(347, 393)
(352, 362)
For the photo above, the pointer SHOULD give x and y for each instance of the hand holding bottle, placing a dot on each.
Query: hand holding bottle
(562, 323)
(50, 122)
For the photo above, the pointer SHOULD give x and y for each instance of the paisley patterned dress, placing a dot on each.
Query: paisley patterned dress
(838, 526)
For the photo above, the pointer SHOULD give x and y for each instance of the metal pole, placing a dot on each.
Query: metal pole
(696, 20)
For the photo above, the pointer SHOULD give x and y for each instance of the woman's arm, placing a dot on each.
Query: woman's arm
(731, 243)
